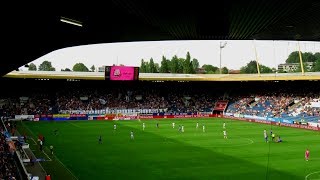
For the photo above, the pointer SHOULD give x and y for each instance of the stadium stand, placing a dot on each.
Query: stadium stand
(291, 101)
(8, 168)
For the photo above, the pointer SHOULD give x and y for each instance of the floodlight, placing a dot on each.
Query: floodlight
(71, 21)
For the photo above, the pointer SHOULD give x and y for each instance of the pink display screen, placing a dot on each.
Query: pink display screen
(122, 73)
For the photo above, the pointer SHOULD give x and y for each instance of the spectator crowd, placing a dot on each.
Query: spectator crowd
(266, 99)
(8, 168)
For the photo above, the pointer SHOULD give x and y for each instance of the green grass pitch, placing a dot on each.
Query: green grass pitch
(165, 153)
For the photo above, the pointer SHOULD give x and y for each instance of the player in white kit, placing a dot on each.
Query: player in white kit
(182, 128)
(143, 126)
(114, 127)
(203, 128)
(197, 126)
(224, 125)
(131, 135)
(265, 135)
(225, 134)
(173, 124)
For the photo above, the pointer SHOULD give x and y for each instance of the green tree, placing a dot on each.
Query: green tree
(143, 67)
(225, 70)
(80, 67)
(32, 67)
(265, 69)
(316, 67)
(174, 64)
(164, 65)
(209, 69)
(251, 68)
(157, 67)
(152, 66)
(187, 65)
(195, 64)
(147, 67)
(316, 56)
(46, 66)
(93, 68)
(180, 65)
(293, 57)
(306, 57)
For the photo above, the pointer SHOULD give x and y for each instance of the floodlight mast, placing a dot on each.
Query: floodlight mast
(222, 45)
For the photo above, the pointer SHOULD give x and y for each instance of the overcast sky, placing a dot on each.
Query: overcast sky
(234, 55)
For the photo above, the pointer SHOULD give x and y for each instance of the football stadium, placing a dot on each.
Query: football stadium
(126, 122)
(89, 126)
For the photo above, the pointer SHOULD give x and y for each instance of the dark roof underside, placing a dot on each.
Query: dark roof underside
(33, 30)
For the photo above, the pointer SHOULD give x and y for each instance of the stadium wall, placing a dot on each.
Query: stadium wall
(255, 119)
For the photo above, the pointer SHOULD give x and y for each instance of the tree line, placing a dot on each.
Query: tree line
(178, 65)
(188, 65)
(47, 66)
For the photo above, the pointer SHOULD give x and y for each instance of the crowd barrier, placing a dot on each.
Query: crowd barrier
(60, 117)
(255, 119)
(109, 116)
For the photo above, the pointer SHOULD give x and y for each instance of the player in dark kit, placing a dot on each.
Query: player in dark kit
(55, 132)
(157, 125)
(100, 140)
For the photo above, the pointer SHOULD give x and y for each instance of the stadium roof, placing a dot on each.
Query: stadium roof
(44, 75)
(31, 29)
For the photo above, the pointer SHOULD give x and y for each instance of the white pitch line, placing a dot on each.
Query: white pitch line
(311, 174)
(47, 156)
(75, 125)
(35, 143)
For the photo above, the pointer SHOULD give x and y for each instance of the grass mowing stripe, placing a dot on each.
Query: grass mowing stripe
(213, 152)
(162, 153)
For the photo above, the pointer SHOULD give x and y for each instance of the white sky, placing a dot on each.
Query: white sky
(234, 55)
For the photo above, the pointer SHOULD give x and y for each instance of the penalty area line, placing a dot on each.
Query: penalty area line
(316, 172)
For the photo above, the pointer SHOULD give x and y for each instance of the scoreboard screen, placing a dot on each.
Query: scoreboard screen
(121, 73)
